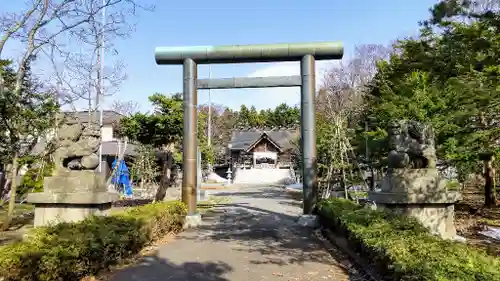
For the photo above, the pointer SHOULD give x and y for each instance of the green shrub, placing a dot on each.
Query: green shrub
(32, 180)
(402, 249)
(70, 251)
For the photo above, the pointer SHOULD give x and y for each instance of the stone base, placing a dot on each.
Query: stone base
(414, 198)
(75, 182)
(311, 221)
(435, 211)
(192, 221)
(76, 198)
(71, 196)
(49, 214)
(53, 208)
(415, 181)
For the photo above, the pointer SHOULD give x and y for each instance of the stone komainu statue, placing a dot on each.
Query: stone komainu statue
(76, 148)
(411, 145)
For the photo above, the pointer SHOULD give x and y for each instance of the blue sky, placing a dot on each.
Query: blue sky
(225, 22)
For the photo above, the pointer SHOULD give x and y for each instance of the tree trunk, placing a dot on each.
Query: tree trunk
(166, 176)
(372, 179)
(343, 183)
(489, 184)
(3, 185)
(13, 191)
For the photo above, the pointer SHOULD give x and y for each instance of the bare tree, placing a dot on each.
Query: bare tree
(344, 86)
(340, 102)
(126, 108)
(54, 30)
(72, 33)
(80, 77)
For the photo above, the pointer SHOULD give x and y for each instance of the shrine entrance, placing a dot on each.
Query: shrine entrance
(264, 160)
(306, 53)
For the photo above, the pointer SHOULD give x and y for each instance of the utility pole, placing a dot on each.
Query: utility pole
(209, 140)
(100, 76)
(209, 109)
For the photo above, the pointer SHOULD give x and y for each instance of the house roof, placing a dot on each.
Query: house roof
(263, 136)
(111, 148)
(108, 148)
(109, 117)
(242, 140)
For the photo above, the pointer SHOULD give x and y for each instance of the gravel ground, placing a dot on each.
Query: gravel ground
(254, 237)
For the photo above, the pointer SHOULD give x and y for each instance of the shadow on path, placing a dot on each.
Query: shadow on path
(256, 237)
(274, 236)
(155, 269)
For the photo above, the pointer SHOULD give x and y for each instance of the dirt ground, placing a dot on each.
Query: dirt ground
(471, 218)
(20, 225)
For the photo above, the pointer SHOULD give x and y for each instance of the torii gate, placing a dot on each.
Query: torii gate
(189, 57)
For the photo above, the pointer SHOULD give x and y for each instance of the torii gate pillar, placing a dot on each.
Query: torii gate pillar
(306, 53)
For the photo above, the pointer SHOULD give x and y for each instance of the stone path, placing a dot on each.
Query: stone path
(253, 238)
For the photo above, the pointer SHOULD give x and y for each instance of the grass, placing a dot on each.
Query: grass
(218, 186)
(23, 215)
(490, 222)
(210, 203)
(206, 205)
(19, 209)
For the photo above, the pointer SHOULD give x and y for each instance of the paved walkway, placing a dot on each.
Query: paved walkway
(252, 238)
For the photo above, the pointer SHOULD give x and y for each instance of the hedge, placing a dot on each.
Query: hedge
(71, 251)
(401, 248)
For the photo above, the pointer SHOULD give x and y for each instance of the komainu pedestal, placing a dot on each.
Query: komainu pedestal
(71, 197)
(75, 191)
(412, 185)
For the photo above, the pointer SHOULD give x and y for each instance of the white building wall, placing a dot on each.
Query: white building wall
(107, 133)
